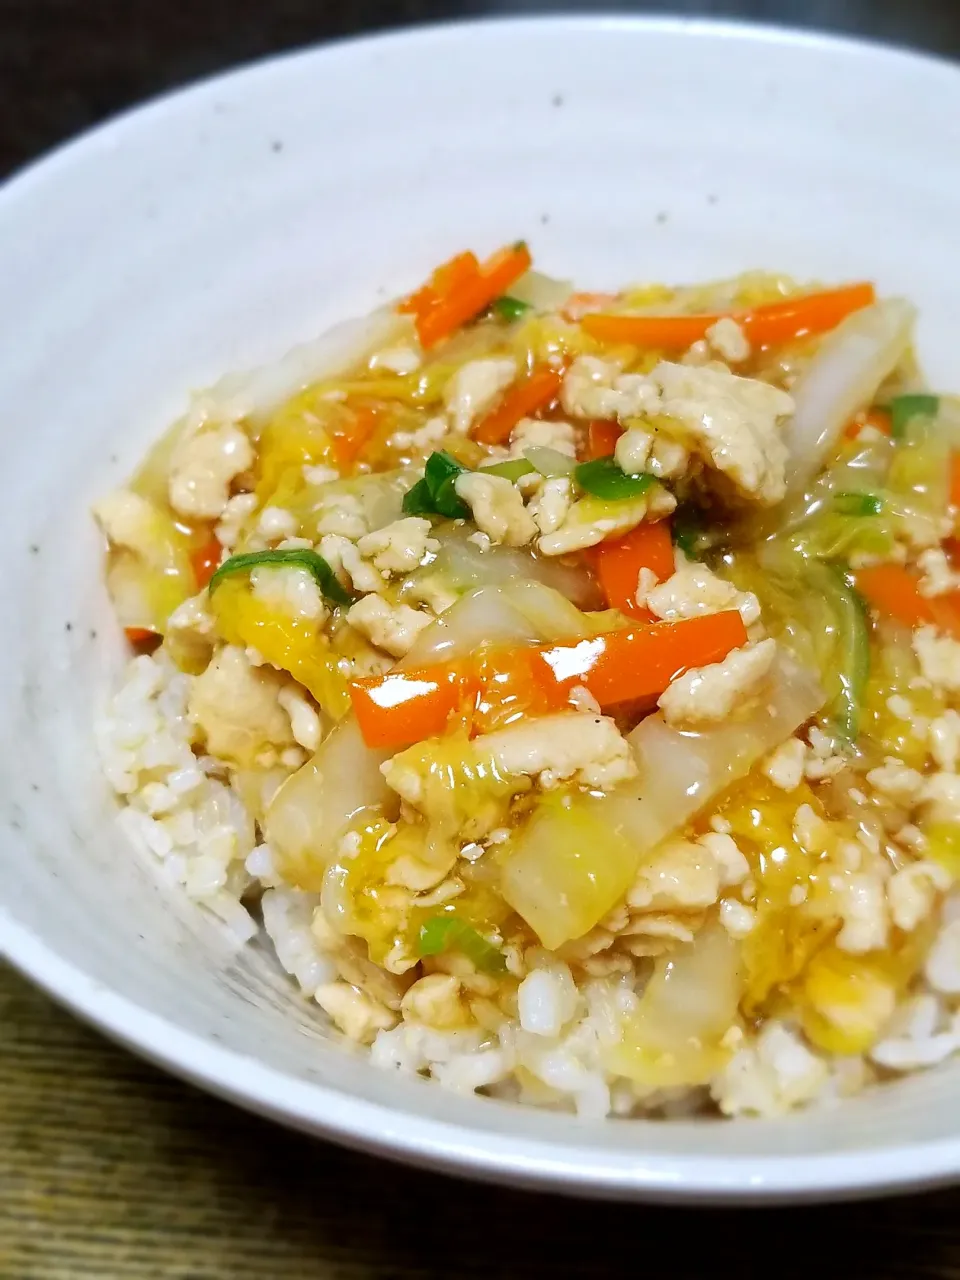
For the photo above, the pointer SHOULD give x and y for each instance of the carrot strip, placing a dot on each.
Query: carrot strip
(348, 438)
(895, 592)
(618, 564)
(469, 297)
(520, 401)
(512, 683)
(641, 661)
(765, 326)
(636, 663)
(139, 635)
(401, 707)
(451, 275)
(955, 480)
(205, 560)
(602, 437)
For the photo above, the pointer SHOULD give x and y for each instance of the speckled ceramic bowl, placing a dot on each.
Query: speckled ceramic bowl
(213, 229)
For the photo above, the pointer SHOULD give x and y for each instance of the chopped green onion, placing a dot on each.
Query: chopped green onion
(858, 504)
(550, 462)
(604, 479)
(904, 408)
(513, 469)
(418, 501)
(436, 493)
(509, 308)
(439, 933)
(301, 557)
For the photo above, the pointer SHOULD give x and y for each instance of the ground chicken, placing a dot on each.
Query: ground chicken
(939, 658)
(236, 707)
(356, 1014)
(647, 447)
(203, 467)
(475, 388)
(729, 341)
(680, 876)
(392, 627)
(497, 508)
(531, 433)
(732, 422)
(551, 504)
(399, 547)
(595, 388)
(707, 695)
(590, 521)
(344, 558)
(588, 748)
(694, 590)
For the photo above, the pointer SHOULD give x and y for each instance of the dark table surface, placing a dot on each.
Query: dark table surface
(109, 1169)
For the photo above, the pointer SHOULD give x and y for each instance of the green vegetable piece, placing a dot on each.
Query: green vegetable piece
(418, 501)
(440, 933)
(513, 469)
(435, 494)
(905, 408)
(302, 557)
(448, 503)
(550, 462)
(509, 309)
(858, 504)
(604, 479)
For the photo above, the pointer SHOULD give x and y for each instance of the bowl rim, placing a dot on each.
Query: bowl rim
(578, 1168)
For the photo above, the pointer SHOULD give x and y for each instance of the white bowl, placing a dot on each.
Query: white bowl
(213, 229)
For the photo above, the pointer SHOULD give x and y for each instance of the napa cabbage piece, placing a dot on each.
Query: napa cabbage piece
(689, 1003)
(810, 607)
(843, 377)
(309, 813)
(262, 391)
(566, 868)
(461, 565)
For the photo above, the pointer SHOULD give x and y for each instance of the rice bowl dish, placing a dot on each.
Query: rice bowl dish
(567, 686)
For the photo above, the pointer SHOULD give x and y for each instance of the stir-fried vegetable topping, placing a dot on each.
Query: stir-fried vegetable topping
(620, 754)
(299, 557)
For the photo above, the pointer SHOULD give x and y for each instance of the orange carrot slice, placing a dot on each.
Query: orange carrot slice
(765, 326)
(618, 564)
(521, 401)
(205, 560)
(602, 437)
(469, 294)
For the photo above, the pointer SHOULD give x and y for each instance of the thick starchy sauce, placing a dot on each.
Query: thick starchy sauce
(586, 663)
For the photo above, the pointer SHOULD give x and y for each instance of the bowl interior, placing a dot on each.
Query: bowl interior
(216, 228)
